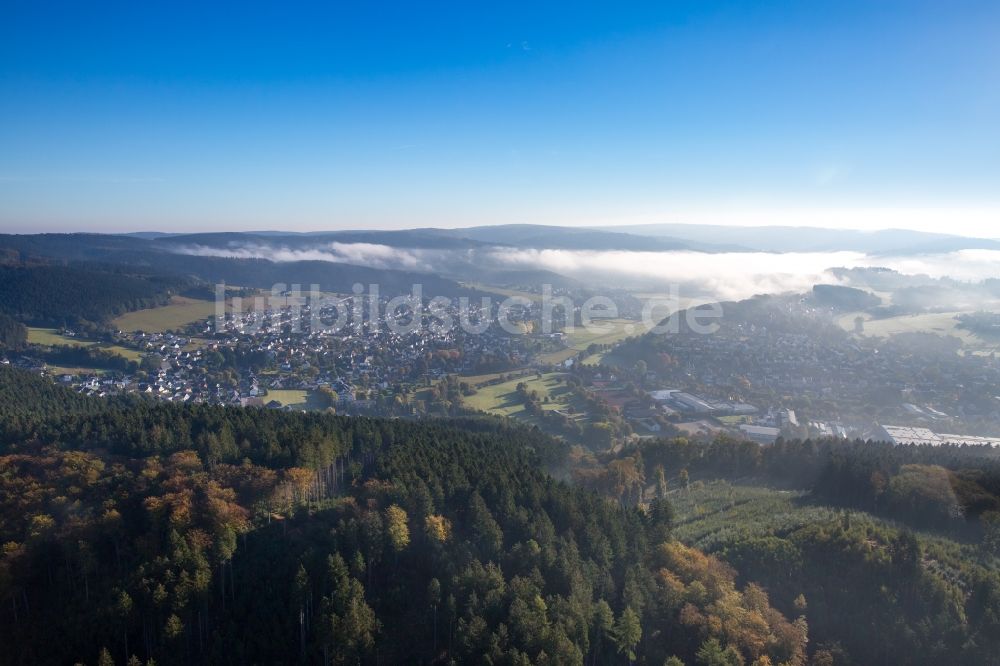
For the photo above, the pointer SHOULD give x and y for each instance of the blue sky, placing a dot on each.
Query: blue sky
(175, 116)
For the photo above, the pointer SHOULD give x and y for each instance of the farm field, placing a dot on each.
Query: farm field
(58, 370)
(180, 312)
(130, 354)
(613, 331)
(558, 356)
(294, 398)
(938, 323)
(503, 291)
(502, 398)
(51, 337)
(475, 380)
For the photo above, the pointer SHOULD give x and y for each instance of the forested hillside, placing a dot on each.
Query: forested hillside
(13, 334)
(220, 535)
(949, 488)
(874, 592)
(208, 534)
(848, 540)
(44, 295)
(166, 258)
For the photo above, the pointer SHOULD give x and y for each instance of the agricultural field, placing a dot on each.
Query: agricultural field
(475, 380)
(51, 337)
(558, 356)
(180, 312)
(612, 332)
(59, 370)
(502, 398)
(294, 398)
(503, 291)
(130, 354)
(938, 323)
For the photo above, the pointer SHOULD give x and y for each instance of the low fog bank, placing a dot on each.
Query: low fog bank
(725, 275)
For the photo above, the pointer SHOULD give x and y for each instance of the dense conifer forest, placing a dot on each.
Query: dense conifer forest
(229, 535)
(13, 334)
(54, 295)
(147, 531)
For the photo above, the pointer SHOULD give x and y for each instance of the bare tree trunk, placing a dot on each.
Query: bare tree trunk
(302, 632)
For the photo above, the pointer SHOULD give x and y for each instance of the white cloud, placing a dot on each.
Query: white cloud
(966, 265)
(727, 275)
(362, 254)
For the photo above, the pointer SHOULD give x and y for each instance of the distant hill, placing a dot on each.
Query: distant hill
(156, 257)
(813, 239)
(416, 239)
(70, 247)
(844, 298)
(575, 238)
(148, 235)
(506, 235)
(647, 237)
(330, 276)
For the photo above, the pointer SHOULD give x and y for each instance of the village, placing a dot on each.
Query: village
(745, 381)
(840, 384)
(249, 358)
